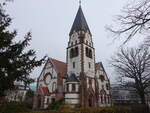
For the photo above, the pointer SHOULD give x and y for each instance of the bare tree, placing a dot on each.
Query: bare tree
(135, 19)
(134, 64)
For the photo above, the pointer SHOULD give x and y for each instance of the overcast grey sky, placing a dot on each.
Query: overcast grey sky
(50, 22)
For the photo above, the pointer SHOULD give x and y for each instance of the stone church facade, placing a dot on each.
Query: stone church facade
(79, 81)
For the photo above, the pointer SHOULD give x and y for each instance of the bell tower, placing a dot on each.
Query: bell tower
(80, 51)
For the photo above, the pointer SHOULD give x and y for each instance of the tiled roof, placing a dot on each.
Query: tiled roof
(79, 22)
(60, 66)
(45, 90)
(72, 78)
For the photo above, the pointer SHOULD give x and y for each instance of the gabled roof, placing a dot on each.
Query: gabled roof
(100, 65)
(60, 66)
(72, 78)
(79, 22)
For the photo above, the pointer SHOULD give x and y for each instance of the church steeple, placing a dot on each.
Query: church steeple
(79, 22)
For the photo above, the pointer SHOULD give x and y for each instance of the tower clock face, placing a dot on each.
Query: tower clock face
(47, 78)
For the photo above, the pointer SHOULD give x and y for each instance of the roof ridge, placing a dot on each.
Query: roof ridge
(57, 60)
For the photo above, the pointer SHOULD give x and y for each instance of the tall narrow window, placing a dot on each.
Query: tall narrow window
(101, 99)
(76, 51)
(54, 87)
(87, 42)
(90, 53)
(90, 44)
(71, 53)
(73, 87)
(76, 42)
(107, 86)
(71, 43)
(105, 99)
(87, 52)
(90, 81)
(67, 87)
(89, 65)
(47, 101)
(74, 65)
(108, 99)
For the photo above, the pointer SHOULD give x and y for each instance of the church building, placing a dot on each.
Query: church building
(79, 80)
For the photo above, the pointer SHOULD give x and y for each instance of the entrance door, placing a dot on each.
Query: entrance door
(90, 102)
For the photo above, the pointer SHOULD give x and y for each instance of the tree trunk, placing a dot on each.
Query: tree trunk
(142, 97)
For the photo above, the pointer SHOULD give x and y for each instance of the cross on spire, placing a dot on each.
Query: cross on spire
(79, 2)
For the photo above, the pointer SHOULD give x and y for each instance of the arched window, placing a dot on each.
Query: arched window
(74, 52)
(71, 53)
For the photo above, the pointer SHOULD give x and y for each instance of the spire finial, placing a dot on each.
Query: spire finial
(79, 2)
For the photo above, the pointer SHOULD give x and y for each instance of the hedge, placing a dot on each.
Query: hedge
(26, 107)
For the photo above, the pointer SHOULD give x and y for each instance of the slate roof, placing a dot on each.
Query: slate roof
(60, 66)
(79, 22)
(72, 78)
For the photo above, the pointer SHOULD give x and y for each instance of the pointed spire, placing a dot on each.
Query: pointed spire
(79, 22)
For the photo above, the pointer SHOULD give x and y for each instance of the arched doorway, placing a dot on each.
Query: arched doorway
(91, 98)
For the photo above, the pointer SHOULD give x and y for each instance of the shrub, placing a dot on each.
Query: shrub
(15, 107)
(55, 105)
